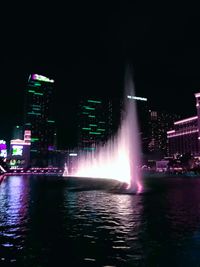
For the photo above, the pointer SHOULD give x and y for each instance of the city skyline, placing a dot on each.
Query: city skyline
(89, 59)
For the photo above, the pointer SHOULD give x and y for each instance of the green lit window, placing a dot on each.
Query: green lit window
(92, 124)
(94, 101)
(50, 121)
(86, 129)
(94, 133)
(31, 91)
(39, 94)
(86, 107)
(102, 130)
(91, 116)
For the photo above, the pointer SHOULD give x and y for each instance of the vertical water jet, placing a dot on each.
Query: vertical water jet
(119, 158)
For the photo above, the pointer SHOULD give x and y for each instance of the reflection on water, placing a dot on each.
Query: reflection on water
(42, 224)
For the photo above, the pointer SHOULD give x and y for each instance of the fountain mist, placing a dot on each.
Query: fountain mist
(119, 158)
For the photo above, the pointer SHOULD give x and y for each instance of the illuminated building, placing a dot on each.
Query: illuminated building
(3, 149)
(185, 136)
(99, 120)
(92, 125)
(39, 117)
(20, 151)
(159, 123)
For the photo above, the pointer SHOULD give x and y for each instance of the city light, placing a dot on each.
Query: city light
(184, 133)
(186, 120)
(41, 78)
(137, 98)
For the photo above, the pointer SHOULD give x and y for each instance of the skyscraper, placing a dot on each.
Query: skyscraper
(92, 124)
(39, 117)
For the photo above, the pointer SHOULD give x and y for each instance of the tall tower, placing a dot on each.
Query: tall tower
(39, 118)
(92, 125)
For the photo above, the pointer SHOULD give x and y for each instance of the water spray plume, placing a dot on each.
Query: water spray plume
(119, 158)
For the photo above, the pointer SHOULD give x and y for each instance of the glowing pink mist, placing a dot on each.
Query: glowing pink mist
(119, 158)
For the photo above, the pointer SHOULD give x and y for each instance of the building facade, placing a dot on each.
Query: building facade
(159, 123)
(185, 136)
(92, 124)
(39, 117)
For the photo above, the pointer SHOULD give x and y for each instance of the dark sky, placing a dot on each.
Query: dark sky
(85, 48)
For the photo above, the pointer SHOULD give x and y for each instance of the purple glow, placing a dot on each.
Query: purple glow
(172, 131)
(186, 120)
(119, 159)
(184, 133)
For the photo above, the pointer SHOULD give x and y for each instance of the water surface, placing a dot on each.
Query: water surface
(42, 223)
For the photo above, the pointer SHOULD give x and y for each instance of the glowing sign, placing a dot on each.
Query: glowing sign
(41, 78)
(137, 98)
(73, 154)
(17, 150)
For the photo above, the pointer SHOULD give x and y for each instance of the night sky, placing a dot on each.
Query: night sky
(85, 49)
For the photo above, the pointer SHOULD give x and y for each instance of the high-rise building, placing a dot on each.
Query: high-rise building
(92, 124)
(39, 117)
(185, 135)
(159, 123)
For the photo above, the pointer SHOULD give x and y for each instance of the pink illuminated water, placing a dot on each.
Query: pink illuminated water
(119, 158)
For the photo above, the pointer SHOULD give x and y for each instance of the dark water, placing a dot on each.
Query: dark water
(44, 224)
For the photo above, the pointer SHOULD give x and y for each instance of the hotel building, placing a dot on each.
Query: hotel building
(39, 116)
(185, 136)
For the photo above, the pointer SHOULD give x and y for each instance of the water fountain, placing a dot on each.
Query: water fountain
(119, 158)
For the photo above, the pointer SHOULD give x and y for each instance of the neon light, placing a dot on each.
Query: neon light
(180, 134)
(94, 133)
(41, 78)
(172, 131)
(73, 154)
(91, 116)
(19, 142)
(38, 94)
(34, 139)
(17, 150)
(31, 91)
(51, 121)
(137, 98)
(94, 101)
(86, 129)
(186, 120)
(86, 107)
(92, 124)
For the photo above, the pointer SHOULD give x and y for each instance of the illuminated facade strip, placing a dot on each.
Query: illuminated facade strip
(180, 134)
(94, 101)
(186, 120)
(172, 131)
